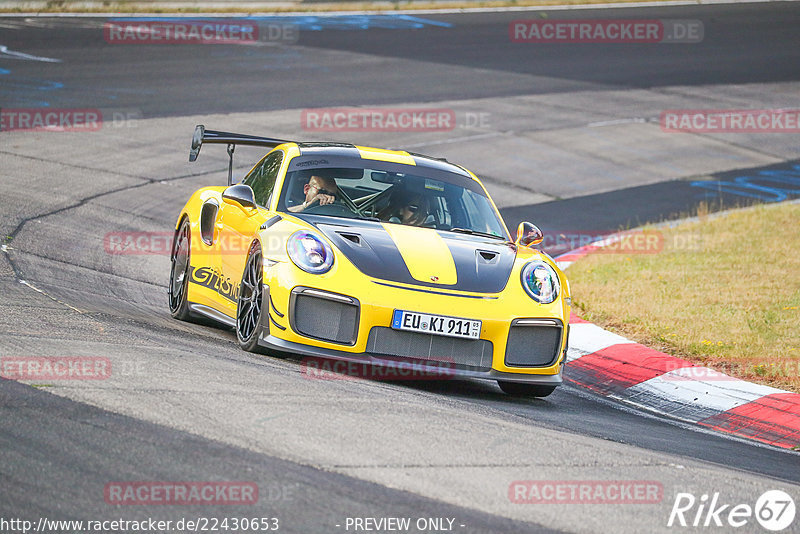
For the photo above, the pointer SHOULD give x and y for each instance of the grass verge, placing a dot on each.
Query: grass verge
(721, 291)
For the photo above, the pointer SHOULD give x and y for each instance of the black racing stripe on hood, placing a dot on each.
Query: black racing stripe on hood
(483, 265)
(371, 249)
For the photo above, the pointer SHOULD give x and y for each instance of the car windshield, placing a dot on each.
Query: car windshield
(391, 193)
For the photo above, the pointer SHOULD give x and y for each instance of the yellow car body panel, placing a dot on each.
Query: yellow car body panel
(380, 154)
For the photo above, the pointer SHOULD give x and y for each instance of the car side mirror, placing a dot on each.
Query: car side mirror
(240, 195)
(528, 234)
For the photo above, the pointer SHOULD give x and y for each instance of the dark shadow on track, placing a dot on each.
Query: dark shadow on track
(59, 455)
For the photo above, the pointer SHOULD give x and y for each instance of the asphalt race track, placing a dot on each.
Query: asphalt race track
(565, 135)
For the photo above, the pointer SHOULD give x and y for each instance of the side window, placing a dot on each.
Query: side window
(262, 178)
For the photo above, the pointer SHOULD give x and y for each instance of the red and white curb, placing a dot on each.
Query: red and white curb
(619, 368)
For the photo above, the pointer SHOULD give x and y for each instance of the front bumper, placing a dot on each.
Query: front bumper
(277, 344)
(356, 341)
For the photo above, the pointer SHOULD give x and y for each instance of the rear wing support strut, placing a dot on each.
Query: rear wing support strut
(231, 148)
(201, 135)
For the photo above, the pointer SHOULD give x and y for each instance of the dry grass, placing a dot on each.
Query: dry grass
(723, 292)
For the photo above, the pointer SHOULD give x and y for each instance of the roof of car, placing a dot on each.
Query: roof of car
(398, 156)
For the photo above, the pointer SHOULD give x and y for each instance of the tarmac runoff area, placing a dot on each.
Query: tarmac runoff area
(462, 445)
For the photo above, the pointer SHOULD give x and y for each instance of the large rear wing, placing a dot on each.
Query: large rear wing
(201, 135)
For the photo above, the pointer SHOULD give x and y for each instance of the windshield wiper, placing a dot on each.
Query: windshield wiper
(474, 232)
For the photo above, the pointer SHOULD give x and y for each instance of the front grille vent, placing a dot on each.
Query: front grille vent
(323, 318)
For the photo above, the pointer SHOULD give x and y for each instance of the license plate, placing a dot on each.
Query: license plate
(440, 325)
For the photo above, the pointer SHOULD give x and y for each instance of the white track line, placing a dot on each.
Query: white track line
(4, 51)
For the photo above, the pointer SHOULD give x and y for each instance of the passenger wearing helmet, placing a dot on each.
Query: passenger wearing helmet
(407, 208)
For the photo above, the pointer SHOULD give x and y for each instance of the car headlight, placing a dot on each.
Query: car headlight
(310, 252)
(540, 282)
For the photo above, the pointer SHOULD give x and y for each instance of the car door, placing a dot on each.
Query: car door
(238, 226)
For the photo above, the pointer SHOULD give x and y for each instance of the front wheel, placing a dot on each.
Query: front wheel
(179, 272)
(520, 389)
(249, 306)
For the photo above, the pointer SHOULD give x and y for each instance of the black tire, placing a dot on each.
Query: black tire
(180, 260)
(249, 307)
(520, 389)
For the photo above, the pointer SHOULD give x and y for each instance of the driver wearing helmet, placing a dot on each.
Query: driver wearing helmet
(319, 190)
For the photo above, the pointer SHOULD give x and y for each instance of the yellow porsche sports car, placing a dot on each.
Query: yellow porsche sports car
(381, 257)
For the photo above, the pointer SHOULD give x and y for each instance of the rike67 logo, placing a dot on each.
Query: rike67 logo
(774, 510)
